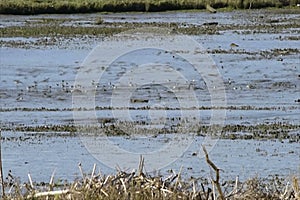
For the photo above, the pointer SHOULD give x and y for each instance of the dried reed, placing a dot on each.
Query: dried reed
(139, 185)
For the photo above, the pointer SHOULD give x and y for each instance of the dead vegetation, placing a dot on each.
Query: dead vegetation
(140, 185)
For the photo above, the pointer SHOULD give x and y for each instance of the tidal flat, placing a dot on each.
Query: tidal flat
(256, 53)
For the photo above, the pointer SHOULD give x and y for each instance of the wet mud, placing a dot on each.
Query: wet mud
(256, 52)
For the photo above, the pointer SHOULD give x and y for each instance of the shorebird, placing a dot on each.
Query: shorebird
(17, 82)
(233, 45)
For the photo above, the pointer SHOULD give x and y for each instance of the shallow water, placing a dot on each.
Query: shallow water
(255, 74)
(41, 155)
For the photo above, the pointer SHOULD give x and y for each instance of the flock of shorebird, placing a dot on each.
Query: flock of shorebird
(66, 87)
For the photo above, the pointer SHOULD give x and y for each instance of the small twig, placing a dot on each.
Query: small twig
(165, 190)
(130, 176)
(250, 6)
(118, 168)
(202, 186)
(51, 181)
(104, 192)
(30, 181)
(105, 181)
(1, 172)
(11, 188)
(93, 171)
(80, 169)
(235, 189)
(208, 192)
(178, 178)
(169, 177)
(213, 189)
(141, 165)
(124, 186)
(296, 189)
(217, 170)
(194, 189)
(285, 191)
(50, 193)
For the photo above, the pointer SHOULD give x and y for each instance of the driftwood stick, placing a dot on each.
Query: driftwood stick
(217, 170)
(1, 172)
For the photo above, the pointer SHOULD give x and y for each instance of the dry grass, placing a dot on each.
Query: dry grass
(139, 185)
(77, 6)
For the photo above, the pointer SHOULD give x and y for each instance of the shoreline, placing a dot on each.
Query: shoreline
(138, 184)
(30, 7)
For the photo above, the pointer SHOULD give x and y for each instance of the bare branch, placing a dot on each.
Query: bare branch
(217, 170)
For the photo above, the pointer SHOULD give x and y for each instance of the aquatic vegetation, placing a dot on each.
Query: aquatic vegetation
(110, 127)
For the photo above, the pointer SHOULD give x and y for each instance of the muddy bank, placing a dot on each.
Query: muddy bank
(109, 127)
(58, 30)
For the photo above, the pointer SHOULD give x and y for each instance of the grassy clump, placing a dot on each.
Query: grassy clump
(76, 6)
